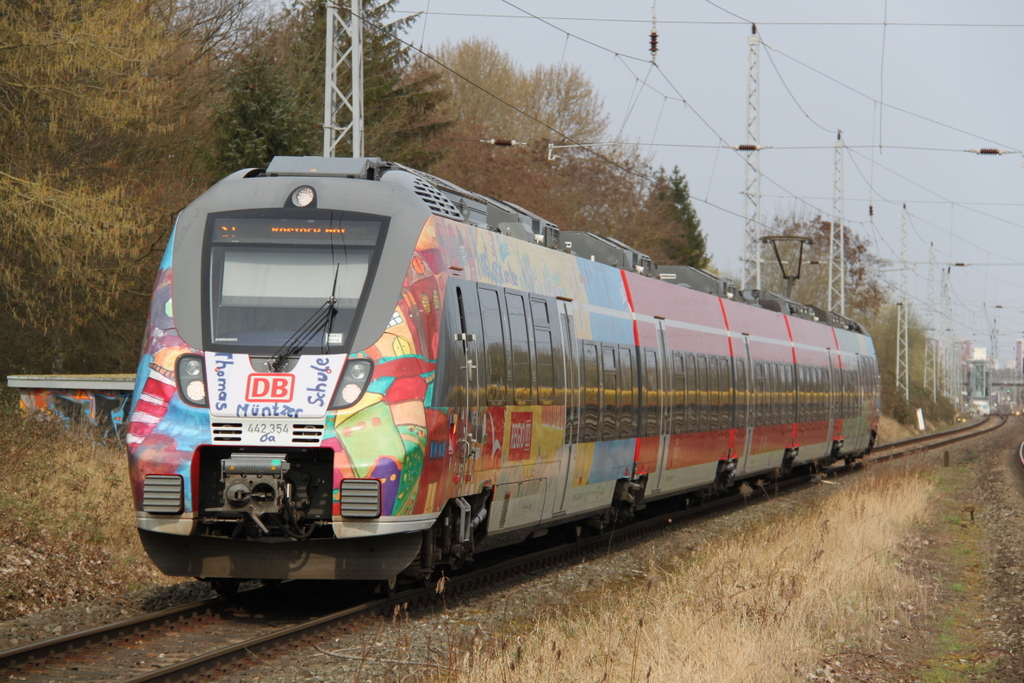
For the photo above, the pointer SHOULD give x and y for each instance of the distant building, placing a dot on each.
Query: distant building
(966, 348)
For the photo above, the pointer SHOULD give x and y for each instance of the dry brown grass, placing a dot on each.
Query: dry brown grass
(767, 605)
(67, 527)
(890, 430)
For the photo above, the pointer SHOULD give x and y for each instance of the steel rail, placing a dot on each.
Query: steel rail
(943, 438)
(937, 435)
(47, 649)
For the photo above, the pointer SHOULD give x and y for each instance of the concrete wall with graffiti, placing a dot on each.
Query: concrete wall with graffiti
(101, 401)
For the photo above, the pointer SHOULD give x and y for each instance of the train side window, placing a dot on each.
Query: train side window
(844, 388)
(812, 393)
(786, 378)
(547, 352)
(714, 394)
(801, 393)
(826, 390)
(791, 393)
(545, 367)
(841, 388)
(569, 390)
(757, 393)
(784, 413)
(522, 373)
(852, 392)
(818, 394)
(678, 394)
(540, 312)
(783, 405)
(494, 345)
(767, 394)
(627, 394)
(591, 393)
(610, 398)
(833, 393)
(823, 380)
(692, 395)
(725, 370)
(652, 394)
(740, 391)
(797, 392)
(703, 399)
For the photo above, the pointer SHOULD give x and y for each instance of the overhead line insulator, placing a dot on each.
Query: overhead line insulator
(503, 142)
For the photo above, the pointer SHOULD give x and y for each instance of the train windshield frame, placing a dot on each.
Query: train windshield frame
(267, 272)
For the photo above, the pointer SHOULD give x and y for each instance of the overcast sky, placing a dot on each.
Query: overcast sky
(910, 84)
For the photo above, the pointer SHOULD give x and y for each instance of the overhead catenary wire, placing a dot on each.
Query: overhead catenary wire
(709, 22)
(644, 82)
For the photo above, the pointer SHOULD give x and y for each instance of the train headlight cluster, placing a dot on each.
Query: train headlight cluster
(353, 382)
(192, 379)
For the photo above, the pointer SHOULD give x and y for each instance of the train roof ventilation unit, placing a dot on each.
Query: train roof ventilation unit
(607, 250)
(450, 200)
(697, 279)
(544, 231)
(366, 168)
(781, 304)
(436, 200)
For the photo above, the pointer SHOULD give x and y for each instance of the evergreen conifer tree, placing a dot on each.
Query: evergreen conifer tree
(684, 244)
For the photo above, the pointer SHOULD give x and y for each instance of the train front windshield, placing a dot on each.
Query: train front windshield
(269, 275)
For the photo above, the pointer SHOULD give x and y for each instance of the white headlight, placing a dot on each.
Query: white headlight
(192, 367)
(303, 196)
(196, 390)
(350, 392)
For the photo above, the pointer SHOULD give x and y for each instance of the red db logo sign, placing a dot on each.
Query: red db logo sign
(270, 388)
(521, 440)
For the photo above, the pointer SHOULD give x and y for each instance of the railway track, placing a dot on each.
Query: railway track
(213, 637)
(898, 449)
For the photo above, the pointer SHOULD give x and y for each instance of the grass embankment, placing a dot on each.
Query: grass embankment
(67, 527)
(765, 605)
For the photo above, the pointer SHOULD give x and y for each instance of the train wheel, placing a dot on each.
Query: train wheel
(225, 588)
(388, 587)
(574, 532)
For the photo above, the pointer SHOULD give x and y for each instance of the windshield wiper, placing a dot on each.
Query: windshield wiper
(322, 320)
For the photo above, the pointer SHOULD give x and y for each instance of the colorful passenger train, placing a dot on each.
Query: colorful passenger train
(354, 370)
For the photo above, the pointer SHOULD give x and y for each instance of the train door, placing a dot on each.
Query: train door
(834, 397)
(858, 413)
(745, 399)
(468, 425)
(657, 371)
(571, 373)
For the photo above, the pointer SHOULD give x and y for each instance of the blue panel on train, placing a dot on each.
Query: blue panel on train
(611, 460)
(611, 328)
(604, 285)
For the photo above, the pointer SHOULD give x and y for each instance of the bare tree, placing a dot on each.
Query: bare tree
(103, 109)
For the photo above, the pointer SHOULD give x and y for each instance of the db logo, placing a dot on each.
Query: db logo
(270, 388)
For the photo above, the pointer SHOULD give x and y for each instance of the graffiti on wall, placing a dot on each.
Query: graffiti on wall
(103, 409)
